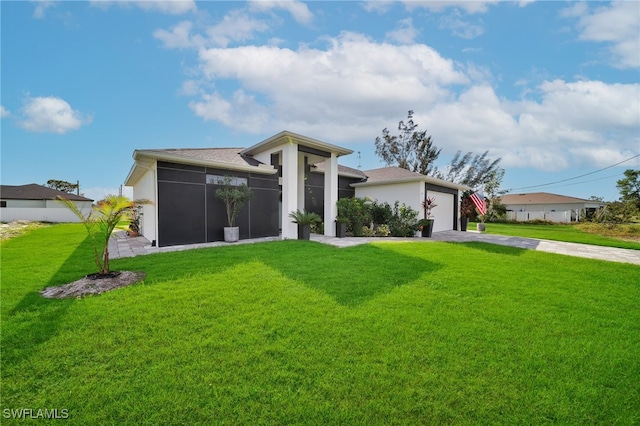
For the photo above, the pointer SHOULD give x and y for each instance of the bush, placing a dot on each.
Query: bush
(381, 214)
(615, 213)
(357, 212)
(382, 231)
(404, 220)
(367, 232)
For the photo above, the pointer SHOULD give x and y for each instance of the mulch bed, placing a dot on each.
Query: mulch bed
(94, 284)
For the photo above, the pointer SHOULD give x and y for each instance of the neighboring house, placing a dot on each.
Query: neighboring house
(38, 203)
(546, 206)
(285, 172)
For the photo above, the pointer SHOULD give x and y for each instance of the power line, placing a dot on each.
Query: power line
(575, 177)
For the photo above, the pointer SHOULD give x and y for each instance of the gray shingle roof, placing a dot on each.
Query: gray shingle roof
(385, 174)
(540, 198)
(222, 155)
(34, 191)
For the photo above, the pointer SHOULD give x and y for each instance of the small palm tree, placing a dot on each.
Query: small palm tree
(101, 221)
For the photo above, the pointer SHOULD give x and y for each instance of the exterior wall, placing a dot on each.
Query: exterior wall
(36, 211)
(189, 212)
(409, 193)
(27, 204)
(314, 190)
(145, 188)
(561, 212)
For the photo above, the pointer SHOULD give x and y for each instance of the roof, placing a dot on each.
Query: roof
(287, 136)
(393, 175)
(34, 191)
(342, 171)
(543, 198)
(225, 158)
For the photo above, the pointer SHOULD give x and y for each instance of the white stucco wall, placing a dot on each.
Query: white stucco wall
(409, 193)
(145, 188)
(35, 210)
(544, 207)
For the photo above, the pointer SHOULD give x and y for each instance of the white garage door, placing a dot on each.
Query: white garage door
(443, 213)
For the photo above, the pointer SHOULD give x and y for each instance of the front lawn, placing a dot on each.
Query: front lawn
(584, 233)
(295, 332)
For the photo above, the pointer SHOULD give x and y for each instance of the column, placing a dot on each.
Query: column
(330, 195)
(289, 189)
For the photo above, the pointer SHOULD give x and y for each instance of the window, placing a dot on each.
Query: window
(3, 204)
(219, 180)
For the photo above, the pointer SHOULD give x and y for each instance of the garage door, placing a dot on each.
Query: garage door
(443, 213)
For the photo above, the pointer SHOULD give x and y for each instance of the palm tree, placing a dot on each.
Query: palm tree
(101, 221)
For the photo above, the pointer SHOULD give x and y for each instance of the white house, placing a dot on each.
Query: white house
(285, 172)
(38, 203)
(547, 206)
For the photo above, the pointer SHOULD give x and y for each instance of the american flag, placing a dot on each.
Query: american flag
(478, 201)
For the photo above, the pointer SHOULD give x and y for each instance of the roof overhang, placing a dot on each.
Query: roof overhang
(145, 159)
(425, 179)
(286, 137)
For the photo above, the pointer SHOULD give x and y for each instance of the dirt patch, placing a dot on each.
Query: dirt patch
(17, 228)
(94, 284)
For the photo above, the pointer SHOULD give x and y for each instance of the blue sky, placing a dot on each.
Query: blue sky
(553, 88)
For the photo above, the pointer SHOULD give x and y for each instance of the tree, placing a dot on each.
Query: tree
(629, 187)
(101, 221)
(63, 185)
(473, 170)
(234, 197)
(411, 149)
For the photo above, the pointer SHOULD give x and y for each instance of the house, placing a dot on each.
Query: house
(547, 206)
(392, 184)
(38, 203)
(285, 172)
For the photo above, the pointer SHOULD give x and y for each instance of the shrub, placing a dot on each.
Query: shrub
(367, 232)
(357, 211)
(383, 231)
(381, 213)
(404, 220)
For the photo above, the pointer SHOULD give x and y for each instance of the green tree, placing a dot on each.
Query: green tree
(629, 187)
(411, 149)
(63, 185)
(101, 221)
(234, 197)
(473, 170)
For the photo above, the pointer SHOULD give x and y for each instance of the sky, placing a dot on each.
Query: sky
(550, 87)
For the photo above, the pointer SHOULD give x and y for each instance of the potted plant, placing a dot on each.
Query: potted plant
(305, 219)
(466, 210)
(341, 226)
(234, 197)
(426, 224)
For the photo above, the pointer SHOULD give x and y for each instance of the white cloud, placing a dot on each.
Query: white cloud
(379, 6)
(617, 24)
(41, 8)
(237, 26)
(323, 90)
(473, 6)
(51, 115)
(586, 121)
(460, 27)
(171, 7)
(405, 33)
(4, 113)
(297, 9)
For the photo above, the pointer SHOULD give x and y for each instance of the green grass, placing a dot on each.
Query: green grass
(295, 332)
(568, 233)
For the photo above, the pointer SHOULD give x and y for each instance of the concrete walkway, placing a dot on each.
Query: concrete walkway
(121, 245)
